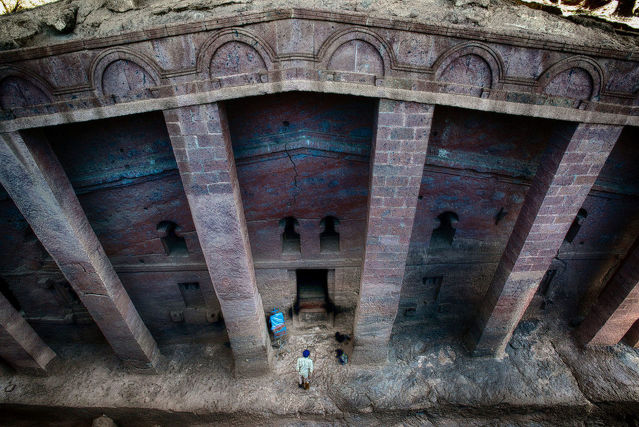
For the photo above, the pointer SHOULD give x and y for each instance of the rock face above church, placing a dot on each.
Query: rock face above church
(74, 19)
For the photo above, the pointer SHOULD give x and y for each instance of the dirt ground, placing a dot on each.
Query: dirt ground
(429, 380)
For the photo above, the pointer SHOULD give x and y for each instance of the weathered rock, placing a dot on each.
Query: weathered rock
(104, 421)
(103, 18)
(122, 5)
(465, 3)
(64, 20)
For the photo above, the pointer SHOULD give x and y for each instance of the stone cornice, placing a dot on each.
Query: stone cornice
(227, 93)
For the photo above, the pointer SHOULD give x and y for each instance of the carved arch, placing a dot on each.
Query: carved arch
(109, 57)
(239, 35)
(480, 50)
(336, 40)
(31, 81)
(589, 65)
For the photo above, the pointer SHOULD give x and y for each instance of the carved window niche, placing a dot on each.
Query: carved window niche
(291, 243)
(174, 245)
(329, 237)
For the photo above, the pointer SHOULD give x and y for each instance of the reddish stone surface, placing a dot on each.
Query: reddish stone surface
(20, 346)
(471, 73)
(304, 156)
(202, 147)
(235, 58)
(125, 175)
(128, 165)
(357, 56)
(18, 92)
(509, 146)
(478, 163)
(563, 180)
(477, 166)
(124, 77)
(605, 236)
(126, 179)
(157, 297)
(574, 83)
(397, 162)
(617, 308)
(36, 182)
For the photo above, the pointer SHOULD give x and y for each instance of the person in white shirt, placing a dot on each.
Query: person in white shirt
(304, 369)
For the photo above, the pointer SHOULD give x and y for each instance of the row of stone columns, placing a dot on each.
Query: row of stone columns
(566, 173)
(35, 180)
(565, 176)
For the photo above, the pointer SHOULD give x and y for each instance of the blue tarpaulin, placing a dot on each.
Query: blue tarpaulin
(277, 324)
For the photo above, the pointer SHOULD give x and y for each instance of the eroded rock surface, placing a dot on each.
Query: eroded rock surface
(97, 18)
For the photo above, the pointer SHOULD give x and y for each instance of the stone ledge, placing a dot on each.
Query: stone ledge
(226, 93)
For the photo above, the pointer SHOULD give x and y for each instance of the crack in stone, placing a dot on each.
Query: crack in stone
(288, 154)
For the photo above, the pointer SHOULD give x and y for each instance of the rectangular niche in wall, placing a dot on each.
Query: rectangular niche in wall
(312, 301)
(329, 237)
(191, 294)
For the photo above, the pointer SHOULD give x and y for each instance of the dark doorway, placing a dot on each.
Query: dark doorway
(312, 290)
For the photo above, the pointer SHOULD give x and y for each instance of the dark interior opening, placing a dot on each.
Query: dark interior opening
(312, 290)
(329, 238)
(191, 294)
(290, 237)
(576, 225)
(443, 235)
(174, 245)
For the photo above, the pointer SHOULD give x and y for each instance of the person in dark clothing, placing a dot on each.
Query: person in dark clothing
(342, 357)
(342, 338)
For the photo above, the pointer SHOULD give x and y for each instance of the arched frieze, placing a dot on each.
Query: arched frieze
(122, 72)
(20, 88)
(234, 58)
(356, 50)
(471, 68)
(234, 51)
(577, 77)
